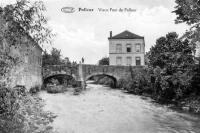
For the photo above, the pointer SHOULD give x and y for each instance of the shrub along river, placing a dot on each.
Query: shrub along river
(100, 109)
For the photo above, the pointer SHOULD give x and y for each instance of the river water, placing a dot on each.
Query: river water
(103, 110)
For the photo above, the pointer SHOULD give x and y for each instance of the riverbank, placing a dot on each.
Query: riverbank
(189, 103)
(22, 112)
(37, 119)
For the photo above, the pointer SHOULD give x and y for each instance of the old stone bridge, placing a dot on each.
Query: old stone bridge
(83, 72)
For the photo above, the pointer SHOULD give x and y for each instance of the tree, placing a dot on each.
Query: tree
(104, 61)
(26, 17)
(66, 61)
(171, 53)
(188, 11)
(54, 58)
(45, 58)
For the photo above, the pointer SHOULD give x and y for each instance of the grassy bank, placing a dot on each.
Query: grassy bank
(22, 112)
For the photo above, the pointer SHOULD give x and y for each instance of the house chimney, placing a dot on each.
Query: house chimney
(110, 34)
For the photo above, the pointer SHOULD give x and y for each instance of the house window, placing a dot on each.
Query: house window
(119, 48)
(128, 61)
(119, 60)
(138, 47)
(138, 61)
(128, 48)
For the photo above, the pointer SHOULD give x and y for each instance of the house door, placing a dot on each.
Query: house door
(138, 61)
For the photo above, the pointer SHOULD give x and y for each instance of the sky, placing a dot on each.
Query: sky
(85, 34)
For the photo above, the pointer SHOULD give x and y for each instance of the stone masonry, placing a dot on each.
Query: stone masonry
(28, 69)
(84, 72)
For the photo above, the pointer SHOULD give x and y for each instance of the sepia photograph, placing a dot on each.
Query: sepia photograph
(99, 66)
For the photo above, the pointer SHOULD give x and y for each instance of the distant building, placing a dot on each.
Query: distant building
(28, 71)
(126, 49)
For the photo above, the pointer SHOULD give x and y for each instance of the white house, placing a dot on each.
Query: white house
(126, 49)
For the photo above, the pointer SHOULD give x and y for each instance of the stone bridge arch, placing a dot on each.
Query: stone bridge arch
(62, 78)
(115, 78)
(63, 73)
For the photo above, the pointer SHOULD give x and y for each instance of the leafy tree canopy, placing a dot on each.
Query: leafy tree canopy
(188, 11)
(55, 58)
(170, 52)
(104, 61)
(25, 17)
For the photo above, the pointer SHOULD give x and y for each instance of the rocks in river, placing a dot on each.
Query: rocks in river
(186, 108)
(77, 90)
(191, 104)
(55, 89)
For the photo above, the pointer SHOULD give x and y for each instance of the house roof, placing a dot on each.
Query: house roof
(126, 35)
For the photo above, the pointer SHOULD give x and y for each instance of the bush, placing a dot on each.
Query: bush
(22, 113)
(55, 89)
(130, 86)
(77, 90)
(34, 90)
(10, 118)
(75, 83)
(106, 81)
(137, 84)
(170, 87)
(195, 79)
(121, 82)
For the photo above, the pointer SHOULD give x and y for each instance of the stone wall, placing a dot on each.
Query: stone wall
(27, 71)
